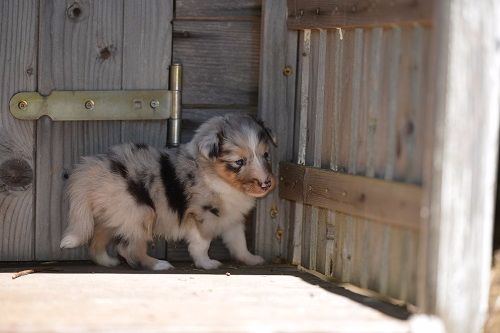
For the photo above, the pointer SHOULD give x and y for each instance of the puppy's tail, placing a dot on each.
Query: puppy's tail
(81, 221)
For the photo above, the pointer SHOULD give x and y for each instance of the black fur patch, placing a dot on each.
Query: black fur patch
(140, 146)
(263, 136)
(174, 188)
(212, 210)
(214, 151)
(118, 168)
(141, 195)
(191, 180)
(122, 240)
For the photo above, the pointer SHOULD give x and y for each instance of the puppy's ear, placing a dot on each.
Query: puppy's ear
(270, 134)
(210, 144)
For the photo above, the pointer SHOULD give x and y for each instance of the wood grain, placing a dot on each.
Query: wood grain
(18, 68)
(147, 54)
(220, 61)
(276, 99)
(193, 116)
(383, 201)
(220, 9)
(306, 14)
(461, 163)
(77, 52)
(300, 140)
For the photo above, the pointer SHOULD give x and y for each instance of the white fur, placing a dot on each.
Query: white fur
(104, 259)
(162, 265)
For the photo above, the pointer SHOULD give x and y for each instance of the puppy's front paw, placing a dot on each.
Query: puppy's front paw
(208, 264)
(253, 260)
(162, 265)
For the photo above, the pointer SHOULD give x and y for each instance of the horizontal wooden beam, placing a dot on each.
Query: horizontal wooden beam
(375, 199)
(324, 14)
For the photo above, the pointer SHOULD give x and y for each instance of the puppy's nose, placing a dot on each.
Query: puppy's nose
(266, 184)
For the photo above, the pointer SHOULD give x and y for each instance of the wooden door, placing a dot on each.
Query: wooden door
(108, 45)
(70, 45)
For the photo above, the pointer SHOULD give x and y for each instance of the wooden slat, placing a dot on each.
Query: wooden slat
(220, 62)
(79, 49)
(193, 116)
(147, 53)
(383, 201)
(461, 162)
(276, 99)
(18, 69)
(220, 9)
(307, 14)
(300, 142)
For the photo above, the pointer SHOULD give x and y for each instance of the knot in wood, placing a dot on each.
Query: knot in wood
(16, 173)
(74, 11)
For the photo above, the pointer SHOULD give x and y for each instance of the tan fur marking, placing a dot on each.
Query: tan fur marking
(149, 223)
(102, 236)
(230, 177)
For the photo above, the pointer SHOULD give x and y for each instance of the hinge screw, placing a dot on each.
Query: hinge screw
(287, 71)
(155, 103)
(273, 212)
(89, 105)
(279, 233)
(22, 105)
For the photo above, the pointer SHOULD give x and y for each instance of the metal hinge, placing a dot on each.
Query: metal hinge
(106, 105)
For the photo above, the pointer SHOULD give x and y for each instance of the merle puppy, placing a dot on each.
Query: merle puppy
(198, 192)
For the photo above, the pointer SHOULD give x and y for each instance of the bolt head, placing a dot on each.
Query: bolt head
(89, 105)
(22, 105)
(287, 71)
(155, 103)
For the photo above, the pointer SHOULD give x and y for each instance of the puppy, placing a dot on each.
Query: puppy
(198, 192)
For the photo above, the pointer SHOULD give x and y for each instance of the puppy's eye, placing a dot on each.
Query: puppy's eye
(240, 162)
(266, 155)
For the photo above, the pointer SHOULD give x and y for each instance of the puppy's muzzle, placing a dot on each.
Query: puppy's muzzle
(266, 184)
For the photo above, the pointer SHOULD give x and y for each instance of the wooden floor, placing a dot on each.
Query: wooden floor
(82, 297)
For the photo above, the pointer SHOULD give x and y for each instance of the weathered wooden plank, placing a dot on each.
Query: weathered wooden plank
(276, 99)
(18, 68)
(220, 9)
(220, 61)
(193, 116)
(461, 163)
(307, 14)
(374, 98)
(316, 119)
(301, 125)
(147, 53)
(345, 116)
(80, 48)
(383, 201)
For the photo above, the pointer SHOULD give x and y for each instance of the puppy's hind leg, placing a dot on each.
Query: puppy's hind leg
(97, 249)
(135, 253)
